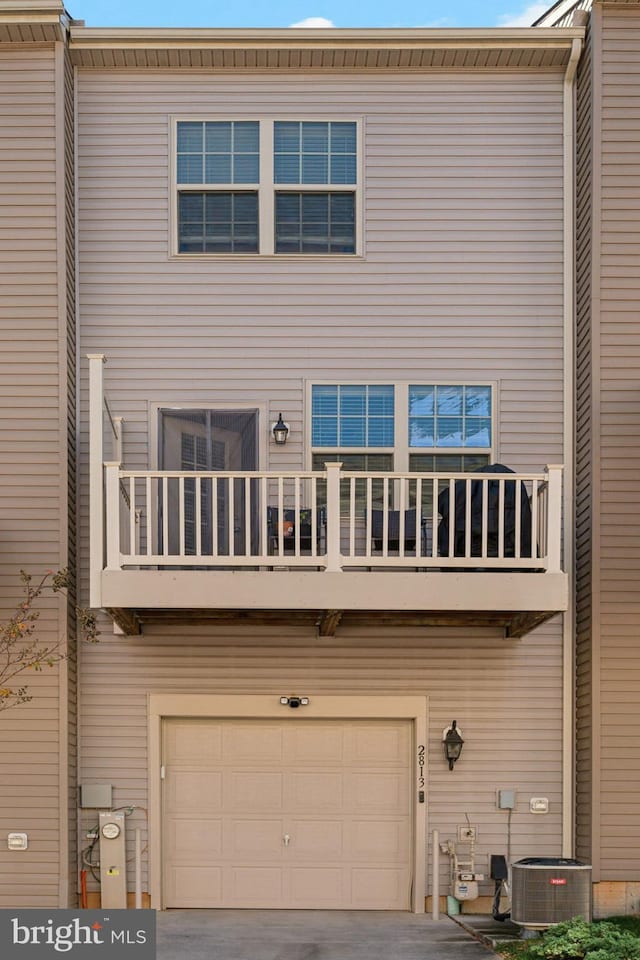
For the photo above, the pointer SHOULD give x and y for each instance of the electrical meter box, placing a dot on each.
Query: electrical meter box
(113, 862)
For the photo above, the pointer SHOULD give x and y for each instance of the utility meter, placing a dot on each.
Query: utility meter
(113, 861)
(110, 830)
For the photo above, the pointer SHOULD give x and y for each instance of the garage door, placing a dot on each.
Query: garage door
(288, 813)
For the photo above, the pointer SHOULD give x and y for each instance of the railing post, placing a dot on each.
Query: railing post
(554, 518)
(112, 512)
(333, 516)
(96, 489)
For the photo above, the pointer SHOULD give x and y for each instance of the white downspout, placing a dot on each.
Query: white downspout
(568, 620)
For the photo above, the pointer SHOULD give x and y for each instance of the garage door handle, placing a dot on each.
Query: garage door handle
(286, 839)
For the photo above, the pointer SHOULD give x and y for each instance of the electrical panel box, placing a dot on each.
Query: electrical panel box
(506, 799)
(96, 796)
(113, 862)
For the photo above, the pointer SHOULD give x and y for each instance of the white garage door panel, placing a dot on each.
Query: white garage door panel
(288, 814)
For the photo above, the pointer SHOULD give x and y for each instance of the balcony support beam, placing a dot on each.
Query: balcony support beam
(329, 622)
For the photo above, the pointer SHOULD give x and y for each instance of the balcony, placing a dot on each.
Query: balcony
(325, 547)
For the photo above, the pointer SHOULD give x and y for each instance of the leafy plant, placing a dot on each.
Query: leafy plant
(20, 648)
(578, 940)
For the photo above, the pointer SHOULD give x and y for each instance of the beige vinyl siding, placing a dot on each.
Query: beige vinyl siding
(461, 281)
(461, 277)
(32, 458)
(584, 472)
(505, 695)
(619, 442)
(72, 463)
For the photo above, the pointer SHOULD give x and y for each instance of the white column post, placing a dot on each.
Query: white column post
(554, 518)
(435, 875)
(96, 490)
(333, 516)
(112, 513)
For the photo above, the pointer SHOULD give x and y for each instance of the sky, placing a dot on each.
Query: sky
(306, 13)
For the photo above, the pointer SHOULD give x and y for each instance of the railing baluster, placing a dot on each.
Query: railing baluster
(501, 489)
(352, 517)
(315, 520)
(132, 516)
(368, 509)
(401, 524)
(198, 512)
(518, 509)
(435, 492)
(181, 511)
(452, 516)
(165, 516)
(264, 528)
(231, 489)
(419, 517)
(385, 517)
(485, 516)
(537, 547)
(247, 516)
(280, 516)
(214, 516)
(148, 526)
(467, 517)
(296, 514)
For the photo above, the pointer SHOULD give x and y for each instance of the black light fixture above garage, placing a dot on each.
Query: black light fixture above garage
(280, 430)
(452, 743)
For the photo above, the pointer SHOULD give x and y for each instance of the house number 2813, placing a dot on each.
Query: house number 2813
(421, 765)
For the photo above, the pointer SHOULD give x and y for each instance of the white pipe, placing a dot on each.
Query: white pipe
(569, 267)
(138, 870)
(435, 875)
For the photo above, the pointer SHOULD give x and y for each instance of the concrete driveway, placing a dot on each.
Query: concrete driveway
(312, 935)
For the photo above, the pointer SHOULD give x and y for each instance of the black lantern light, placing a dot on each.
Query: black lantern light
(280, 430)
(452, 743)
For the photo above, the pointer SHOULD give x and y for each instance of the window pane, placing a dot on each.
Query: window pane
(449, 401)
(315, 137)
(421, 401)
(324, 400)
(477, 401)
(286, 137)
(477, 432)
(190, 137)
(343, 138)
(218, 152)
(449, 432)
(380, 432)
(343, 170)
(246, 168)
(353, 401)
(322, 223)
(380, 401)
(315, 168)
(287, 169)
(190, 168)
(218, 222)
(314, 152)
(217, 168)
(421, 432)
(324, 432)
(353, 432)
(346, 411)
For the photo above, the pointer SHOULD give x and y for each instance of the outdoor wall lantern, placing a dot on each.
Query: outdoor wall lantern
(280, 430)
(452, 743)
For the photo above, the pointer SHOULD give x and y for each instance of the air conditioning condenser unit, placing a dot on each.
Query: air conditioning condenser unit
(549, 890)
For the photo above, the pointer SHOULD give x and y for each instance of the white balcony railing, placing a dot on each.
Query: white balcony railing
(332, 520)
(147, 525)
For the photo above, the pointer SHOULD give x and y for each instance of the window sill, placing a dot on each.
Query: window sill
(259, 257)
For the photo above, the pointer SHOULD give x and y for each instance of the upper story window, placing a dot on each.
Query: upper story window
(403, 426)
(267, 187)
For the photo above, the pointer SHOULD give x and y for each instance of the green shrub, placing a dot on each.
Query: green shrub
(578, 940)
